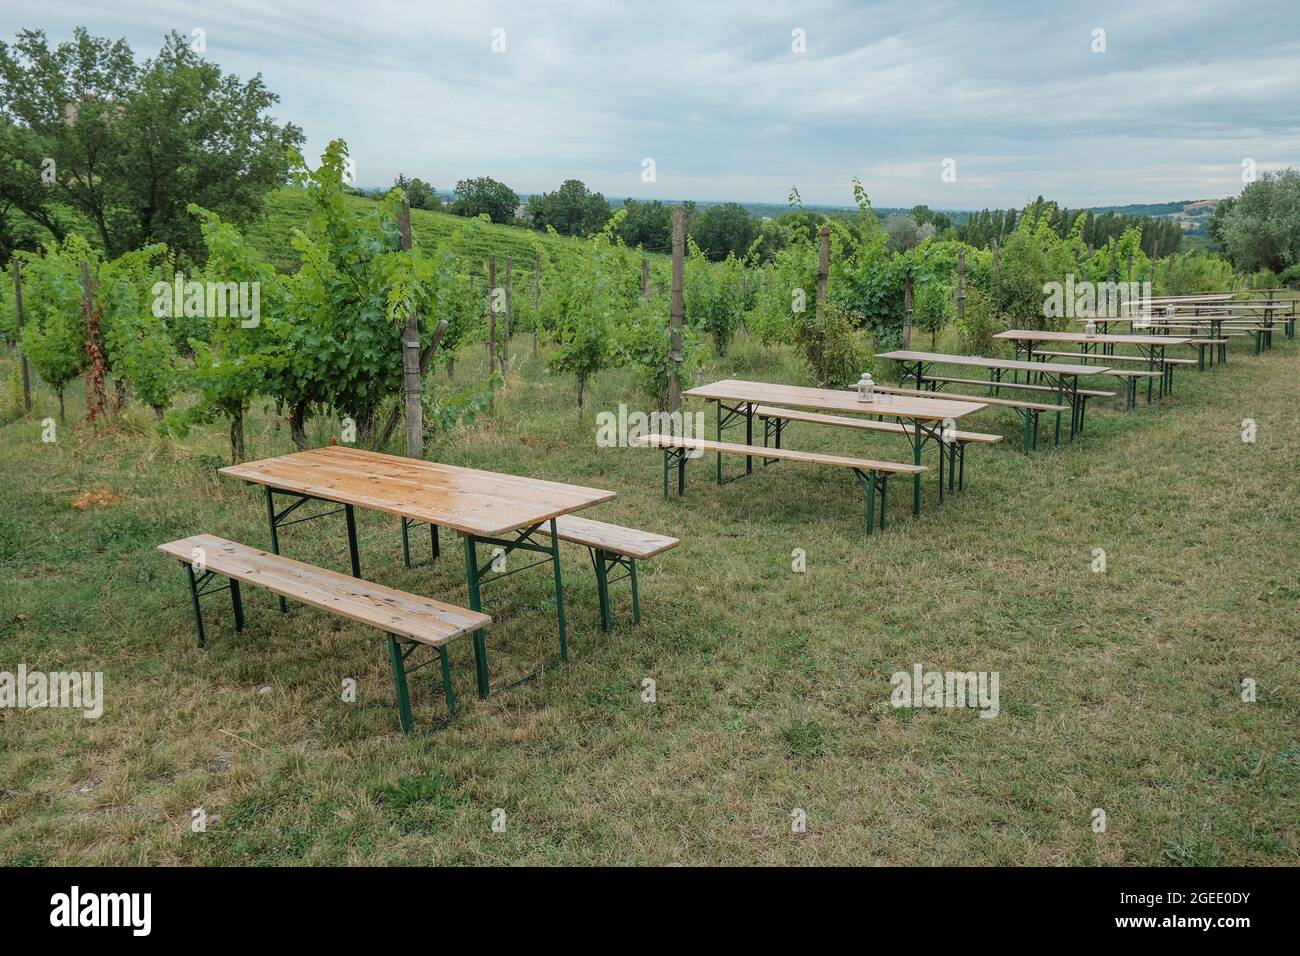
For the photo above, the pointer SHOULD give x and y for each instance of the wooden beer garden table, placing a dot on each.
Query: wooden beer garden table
(1151, 347)
(1064, 376)
(484, 507)
(921, 414)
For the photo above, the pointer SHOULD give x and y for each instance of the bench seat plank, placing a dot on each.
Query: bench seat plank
(627, 542)
(896, 428)
(988, 400)
(785, 454)
(1118, 358)
(1029, 386)
(394, 612)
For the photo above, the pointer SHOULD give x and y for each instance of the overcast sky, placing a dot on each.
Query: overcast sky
(715, 93)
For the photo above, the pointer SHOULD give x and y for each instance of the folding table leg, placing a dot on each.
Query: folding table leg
(559, 590)
(194, 598)
(476, 604)
(275, 537)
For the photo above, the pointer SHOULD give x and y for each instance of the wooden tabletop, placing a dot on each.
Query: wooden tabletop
(835, 400)
(980, 361)
(468, 500)
(1042, 335)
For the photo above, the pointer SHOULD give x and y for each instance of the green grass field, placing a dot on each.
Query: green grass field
(1119, 690)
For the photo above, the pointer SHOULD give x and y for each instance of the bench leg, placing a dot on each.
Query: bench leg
(871, 503)
(238, 603)
(194, 598)
(447, 690)
(961, 474)
(636, 597)
(1025, 436)
(602, 586)
(476, 604)
(399, 684)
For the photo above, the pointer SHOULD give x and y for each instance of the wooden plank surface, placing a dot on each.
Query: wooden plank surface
(1046, 335)
(980, 361)
(617, 539)
(468, 500)
(866, 424)
(394, 612)
(990, 400)
(785, 454)
(834, 400)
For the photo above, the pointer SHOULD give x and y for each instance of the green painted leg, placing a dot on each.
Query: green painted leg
(406, 543)
(194, 598)
(238, 602)
(636, 597)
(884, 487)
(275, 537)
(917, 437)
(559, 591)
(399, 684)
(719, 404)
(353, 554)
(447, 690)
(434, 544)
(666, 458)
(1024, 438)
(476, 604)
(871, 503)
(602, 587)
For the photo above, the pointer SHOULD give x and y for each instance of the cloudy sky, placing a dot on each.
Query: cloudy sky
(717, 95)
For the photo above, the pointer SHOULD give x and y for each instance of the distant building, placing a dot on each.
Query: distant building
(519, 212)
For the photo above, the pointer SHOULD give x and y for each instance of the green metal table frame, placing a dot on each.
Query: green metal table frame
(475, 576)
(922, 432)
(872, 483)
(399, 649)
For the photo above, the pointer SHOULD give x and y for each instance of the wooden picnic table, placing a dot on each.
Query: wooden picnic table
(511, 512)
(1065, 376)
(1152, 347)
(921, 414)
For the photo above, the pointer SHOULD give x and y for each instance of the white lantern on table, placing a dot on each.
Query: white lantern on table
(866, 388)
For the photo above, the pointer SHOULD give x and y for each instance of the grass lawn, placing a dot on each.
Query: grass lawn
(1118, 690)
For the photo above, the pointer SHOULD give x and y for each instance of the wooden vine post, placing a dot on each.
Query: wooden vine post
(96, 398)
(411, 355)
(22, 356)
(537, 298)
(492, 330)
(961, 285)
(823, 264)
(505, 340)
(678, 310)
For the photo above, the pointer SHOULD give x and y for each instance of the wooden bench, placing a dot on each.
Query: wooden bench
(404, 618)
(612, 546)
(774, 419)
(871, 475)
(1115, 358)
(1028, 410)
(1028, 386)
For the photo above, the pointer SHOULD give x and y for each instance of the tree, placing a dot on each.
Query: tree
(647, 224)
(572, 210)
(418, 193)
(129, 145)
(1261, 230)
(483, 195)
(725, 229)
